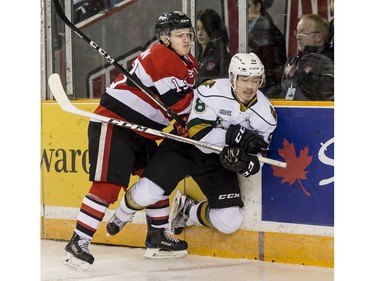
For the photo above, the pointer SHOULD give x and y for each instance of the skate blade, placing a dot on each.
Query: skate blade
(155, 253)
(71, 261)
(174, 210)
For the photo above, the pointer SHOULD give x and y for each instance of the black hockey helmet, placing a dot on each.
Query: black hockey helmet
(169, 21)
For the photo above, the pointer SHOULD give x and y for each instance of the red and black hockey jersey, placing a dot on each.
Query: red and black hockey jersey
(169, 76)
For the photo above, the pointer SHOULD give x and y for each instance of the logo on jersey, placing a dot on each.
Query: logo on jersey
(209, 83)
(226, 112)
(229, 196)
(210, 65)
(192, 72)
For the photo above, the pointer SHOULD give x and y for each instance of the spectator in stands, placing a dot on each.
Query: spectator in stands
(309, 74)
(267, 41)
(212, 46)
(84, 9)
(331, 25)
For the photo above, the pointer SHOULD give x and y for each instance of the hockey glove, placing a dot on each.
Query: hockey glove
(236, 160)
(248, 140)
(182, 131)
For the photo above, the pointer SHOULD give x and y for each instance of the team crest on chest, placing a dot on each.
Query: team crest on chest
(210, 65)
(209, 83)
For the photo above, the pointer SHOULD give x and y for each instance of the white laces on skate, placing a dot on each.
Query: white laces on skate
(182, 221)
(170, 238)
(84, 245)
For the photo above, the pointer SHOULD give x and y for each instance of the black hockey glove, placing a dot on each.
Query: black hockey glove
(248, 140)
(236, 160)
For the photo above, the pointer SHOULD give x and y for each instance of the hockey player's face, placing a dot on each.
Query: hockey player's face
(247, 87)
(181, 40)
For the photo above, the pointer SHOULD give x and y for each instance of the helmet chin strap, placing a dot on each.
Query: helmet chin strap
(235, 92)
(169, 40)
(168, 44)
(241, 100)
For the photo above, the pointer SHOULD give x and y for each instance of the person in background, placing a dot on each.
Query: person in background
(331, 27)
(268, 43)
(229, 112)
(212, 46)
(115, 153)
(309, 75)
(83, 9)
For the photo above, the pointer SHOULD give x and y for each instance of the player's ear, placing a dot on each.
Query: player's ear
(164, 39)
(258, 6)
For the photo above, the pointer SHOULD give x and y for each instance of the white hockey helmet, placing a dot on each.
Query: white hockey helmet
(246, 64)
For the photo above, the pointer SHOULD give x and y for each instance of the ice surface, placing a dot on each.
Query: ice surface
(123, 263)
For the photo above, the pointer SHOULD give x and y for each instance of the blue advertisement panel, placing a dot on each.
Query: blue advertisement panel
(303, 193)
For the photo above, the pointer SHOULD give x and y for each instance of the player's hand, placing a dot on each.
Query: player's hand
(181, 130)
(248, 140)
(236, 160)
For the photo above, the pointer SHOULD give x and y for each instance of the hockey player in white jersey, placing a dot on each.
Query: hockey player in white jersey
(235, 114)
(231, 113)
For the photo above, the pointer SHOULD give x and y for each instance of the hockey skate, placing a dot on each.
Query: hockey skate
(181, 206)
(115, 225)
(160, 245)
(77, 254)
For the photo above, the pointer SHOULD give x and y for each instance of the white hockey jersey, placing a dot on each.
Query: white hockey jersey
(215, 108)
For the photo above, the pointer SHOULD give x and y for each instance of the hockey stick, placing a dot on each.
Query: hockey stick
(58, 92)
(60, 12)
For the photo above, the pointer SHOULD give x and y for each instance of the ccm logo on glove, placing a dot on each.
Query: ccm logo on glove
(236, 160)
(249, 141)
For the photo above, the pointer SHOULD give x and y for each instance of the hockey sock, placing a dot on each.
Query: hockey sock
(199, 214)
(158, 213)
(89, 217)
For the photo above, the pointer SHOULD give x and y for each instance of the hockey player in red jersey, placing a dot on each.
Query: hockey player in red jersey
(231, 113)
(168, 69)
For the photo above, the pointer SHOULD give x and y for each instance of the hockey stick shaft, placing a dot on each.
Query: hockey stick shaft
(58, 92)
(60, 12)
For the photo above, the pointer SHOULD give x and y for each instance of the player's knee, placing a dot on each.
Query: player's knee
(106, 191)
(145, 192)
(227, 220)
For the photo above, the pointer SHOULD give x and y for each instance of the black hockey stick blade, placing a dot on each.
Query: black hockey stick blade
(58, 92)
(60, 12)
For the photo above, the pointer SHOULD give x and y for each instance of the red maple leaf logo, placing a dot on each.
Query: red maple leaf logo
(295, 169)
